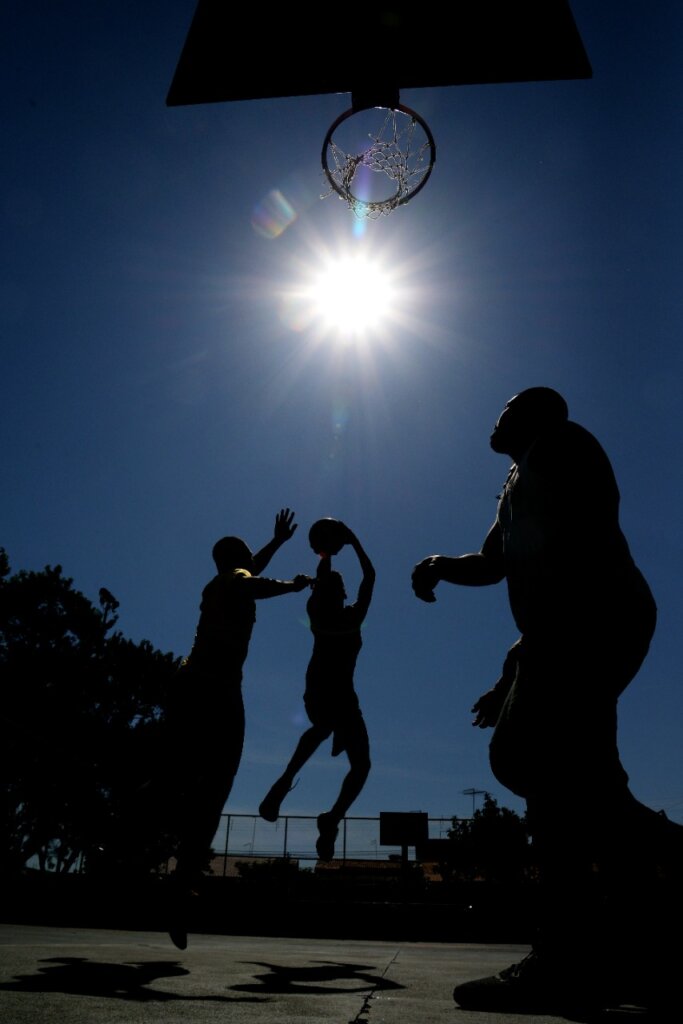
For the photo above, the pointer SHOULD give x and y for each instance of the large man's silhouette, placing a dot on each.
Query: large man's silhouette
(586, 617)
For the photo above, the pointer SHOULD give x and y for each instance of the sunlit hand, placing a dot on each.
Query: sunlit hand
(284, 525)
(425, 577)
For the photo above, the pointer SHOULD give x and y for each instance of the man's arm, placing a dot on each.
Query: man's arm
(283, 530)
(260, 587)
(477, 569)
(367, 583)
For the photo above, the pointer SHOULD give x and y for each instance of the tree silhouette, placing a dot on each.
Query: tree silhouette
(492, 845)
(81, 710)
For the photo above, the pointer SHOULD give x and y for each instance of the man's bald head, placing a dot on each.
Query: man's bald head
(526, 416)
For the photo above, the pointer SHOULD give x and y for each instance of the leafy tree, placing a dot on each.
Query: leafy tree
(492, 845)
(81, 710)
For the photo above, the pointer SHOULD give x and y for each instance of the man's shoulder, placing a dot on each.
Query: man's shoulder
(580, 435)
(566, 444)
(225, 584)
(224, 579)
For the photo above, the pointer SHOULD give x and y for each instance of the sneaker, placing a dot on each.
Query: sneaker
(650, 980)
(269, 808)
(535, 985)
(328, 828)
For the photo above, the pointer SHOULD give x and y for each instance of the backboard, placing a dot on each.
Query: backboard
(250, 51)
(403, 828)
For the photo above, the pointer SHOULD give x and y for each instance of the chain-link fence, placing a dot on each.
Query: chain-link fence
(294, 836)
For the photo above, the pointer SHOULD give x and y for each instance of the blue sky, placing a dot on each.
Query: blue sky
(158, 393)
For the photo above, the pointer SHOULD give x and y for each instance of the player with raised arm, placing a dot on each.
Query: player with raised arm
(330, 698)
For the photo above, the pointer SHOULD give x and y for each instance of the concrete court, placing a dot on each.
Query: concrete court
(90, 976)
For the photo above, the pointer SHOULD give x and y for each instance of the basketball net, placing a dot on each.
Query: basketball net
(402, 150)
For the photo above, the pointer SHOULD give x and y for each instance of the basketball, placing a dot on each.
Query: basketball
(327, 536)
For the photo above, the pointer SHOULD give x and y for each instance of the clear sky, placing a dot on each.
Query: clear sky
(160, 387)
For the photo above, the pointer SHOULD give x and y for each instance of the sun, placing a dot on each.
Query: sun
(351, 297)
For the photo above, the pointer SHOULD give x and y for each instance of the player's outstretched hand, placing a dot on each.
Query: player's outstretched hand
(301, 581)
(346, 534)
(284, 525)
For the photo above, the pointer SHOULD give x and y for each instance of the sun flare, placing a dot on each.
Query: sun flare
(351, 296)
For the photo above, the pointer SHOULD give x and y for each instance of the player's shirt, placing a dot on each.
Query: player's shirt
(336, 646)
(226, 620)
(330, 696)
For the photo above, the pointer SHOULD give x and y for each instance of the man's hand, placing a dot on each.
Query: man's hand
(284, 525)
(425, 577)
(301, 581)
(487, 709)
(346, 533)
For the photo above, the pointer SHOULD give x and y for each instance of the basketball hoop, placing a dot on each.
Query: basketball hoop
(387, 173)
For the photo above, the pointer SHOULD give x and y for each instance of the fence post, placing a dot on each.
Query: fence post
(225, 850)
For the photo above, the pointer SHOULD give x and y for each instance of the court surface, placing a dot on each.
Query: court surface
(92, 976)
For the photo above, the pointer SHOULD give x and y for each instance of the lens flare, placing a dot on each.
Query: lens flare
(273, 215)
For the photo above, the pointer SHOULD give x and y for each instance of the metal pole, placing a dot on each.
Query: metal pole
(474, 793)
(225, 850)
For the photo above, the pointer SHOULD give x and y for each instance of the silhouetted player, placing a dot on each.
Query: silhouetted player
(206, 717)
(586, 616)
(330, 698)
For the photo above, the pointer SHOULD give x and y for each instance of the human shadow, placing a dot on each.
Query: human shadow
(75, 975)
(316, 980)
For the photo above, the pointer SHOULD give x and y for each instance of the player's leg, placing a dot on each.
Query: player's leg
(356, 742)
(352, 736)
(309, 742)
(209, 779)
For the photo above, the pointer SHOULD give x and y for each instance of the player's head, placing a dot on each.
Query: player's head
(232, 553)
(525, 416)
